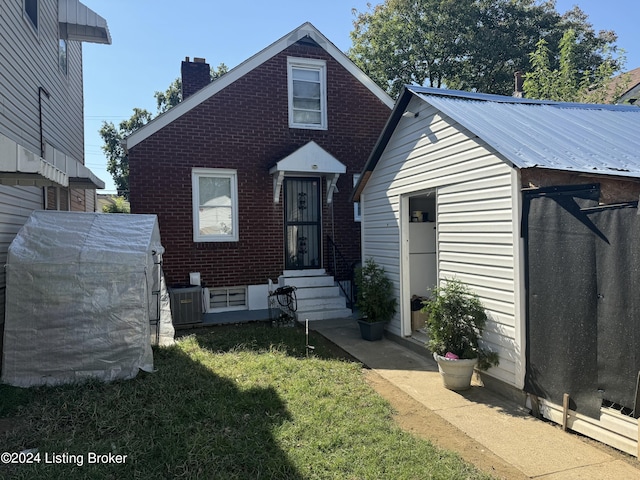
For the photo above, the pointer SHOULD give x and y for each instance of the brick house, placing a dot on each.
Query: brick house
(251, 175)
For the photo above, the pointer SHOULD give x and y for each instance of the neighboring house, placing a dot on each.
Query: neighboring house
(251, 175)
(631, 93)
(533, 204)
(41, 112)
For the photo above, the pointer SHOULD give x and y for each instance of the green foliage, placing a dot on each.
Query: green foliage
(173, 95)
(569, 82)
(375, 301)
(237, 402)
(117, 160)
(473, 45)
(119, 205)
(456, 319)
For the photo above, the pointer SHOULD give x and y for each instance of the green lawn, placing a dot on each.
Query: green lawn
(231, 402)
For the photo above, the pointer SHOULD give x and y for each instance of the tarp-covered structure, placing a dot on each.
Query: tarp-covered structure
(85, 298)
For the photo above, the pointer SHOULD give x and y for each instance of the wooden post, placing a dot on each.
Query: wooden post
(565, 411)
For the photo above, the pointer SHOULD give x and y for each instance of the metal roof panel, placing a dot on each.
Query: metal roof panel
(601, 139)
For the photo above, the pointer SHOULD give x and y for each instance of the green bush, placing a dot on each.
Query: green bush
(456, 319)
(375, 299)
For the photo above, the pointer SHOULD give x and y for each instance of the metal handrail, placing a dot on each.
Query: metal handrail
(342, 269)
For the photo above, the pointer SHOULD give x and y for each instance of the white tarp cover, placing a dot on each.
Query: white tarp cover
(84, 294)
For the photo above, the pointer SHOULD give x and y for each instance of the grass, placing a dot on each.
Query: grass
(241, 402)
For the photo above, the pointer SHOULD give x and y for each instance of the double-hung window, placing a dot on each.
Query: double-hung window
(307, 93)
(215, 205)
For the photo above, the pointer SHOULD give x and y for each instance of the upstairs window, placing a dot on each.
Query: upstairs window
(307, 93)
(215, 205)
(31, 11)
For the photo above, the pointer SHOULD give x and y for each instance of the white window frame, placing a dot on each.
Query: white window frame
(198, 173)
(315, 65)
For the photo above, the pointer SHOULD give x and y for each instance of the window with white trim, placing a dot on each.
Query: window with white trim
(215, 205)
(31, 11)
(307, 93)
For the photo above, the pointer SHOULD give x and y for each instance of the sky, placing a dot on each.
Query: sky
(150, 38)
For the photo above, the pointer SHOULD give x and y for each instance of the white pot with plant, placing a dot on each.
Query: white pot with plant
(455, 322)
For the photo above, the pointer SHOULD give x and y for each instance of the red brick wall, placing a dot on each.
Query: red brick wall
(245, 127)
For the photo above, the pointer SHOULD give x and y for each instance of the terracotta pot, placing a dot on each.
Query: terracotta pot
(456, 373)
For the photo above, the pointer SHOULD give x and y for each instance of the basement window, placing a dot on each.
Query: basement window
(227, 298)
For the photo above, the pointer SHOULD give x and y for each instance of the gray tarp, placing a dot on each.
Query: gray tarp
(84, 294)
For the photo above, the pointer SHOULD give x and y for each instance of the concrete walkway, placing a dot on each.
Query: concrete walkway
(535, 448)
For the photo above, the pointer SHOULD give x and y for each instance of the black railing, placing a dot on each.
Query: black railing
(343, 272)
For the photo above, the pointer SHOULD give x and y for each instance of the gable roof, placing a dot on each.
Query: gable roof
(305, 30)
(585, 138)
(632, 94)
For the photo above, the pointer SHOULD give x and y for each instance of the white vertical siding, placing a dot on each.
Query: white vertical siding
(475, 218)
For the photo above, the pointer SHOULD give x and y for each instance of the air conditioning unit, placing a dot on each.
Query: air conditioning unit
(186, 305)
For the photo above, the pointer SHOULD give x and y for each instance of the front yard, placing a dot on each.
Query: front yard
(232, 402)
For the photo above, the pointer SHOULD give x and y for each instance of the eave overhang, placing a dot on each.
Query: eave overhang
(80, 23)
(21, 167)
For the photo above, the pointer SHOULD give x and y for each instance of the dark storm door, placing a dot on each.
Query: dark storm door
(302, 223)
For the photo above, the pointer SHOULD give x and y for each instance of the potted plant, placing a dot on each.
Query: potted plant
(456, 319)
(375, 300)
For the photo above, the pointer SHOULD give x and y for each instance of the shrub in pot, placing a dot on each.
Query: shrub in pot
(455, 322)
(375, 300)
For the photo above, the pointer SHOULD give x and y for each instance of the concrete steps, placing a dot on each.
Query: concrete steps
(317, 295)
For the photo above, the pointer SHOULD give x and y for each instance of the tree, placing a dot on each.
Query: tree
(117, 159)
(473, 45)
(405, 41)
(119, 205)
(569, 82)
(173, 95)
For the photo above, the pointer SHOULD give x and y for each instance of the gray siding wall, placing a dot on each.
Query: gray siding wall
(28, 60)
(477, 232)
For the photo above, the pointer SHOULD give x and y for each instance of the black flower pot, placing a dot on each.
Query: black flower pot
(371, 331)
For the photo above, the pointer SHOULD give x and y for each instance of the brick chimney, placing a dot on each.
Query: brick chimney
(517, 92)
(195, 75)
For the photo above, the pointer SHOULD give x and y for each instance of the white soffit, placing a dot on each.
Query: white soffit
(21, 167)
(80, 23)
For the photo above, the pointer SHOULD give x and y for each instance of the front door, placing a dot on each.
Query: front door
(302, 223)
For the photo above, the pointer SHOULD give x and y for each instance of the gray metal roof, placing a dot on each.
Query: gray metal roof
(597, 139)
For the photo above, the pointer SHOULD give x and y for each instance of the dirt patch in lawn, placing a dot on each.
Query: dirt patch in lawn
(414, 417)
